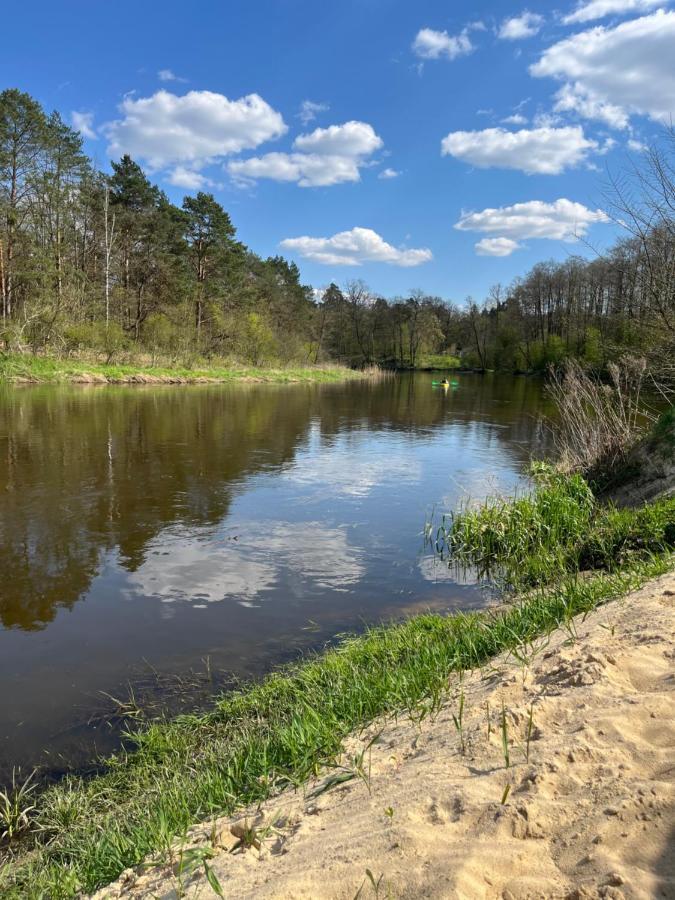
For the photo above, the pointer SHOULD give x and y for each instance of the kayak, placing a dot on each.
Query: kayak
(445, 383)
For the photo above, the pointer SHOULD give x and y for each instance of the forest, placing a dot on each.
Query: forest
(105, 264)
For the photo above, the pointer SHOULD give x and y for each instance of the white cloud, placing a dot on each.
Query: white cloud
(544, 151)
(598, 9)
(188, 179)
(322, 158)
(515, 119)
(351, 466)
(517, 28)
(573, 98)
(351, 139)
(309, 110)
(615, 71)
(84, 123)
(199, 571)
(196, 128)
(168, 75)
(562, 220)
(306, 169)
(430, 44)
(353, 248)
(388, 173)
(637, 146)
(499, 246)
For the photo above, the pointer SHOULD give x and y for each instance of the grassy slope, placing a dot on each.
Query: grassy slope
(14, 368)
(284, 729)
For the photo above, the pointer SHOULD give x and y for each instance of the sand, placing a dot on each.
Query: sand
(591, 814)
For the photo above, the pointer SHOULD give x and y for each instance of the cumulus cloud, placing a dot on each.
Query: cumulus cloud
(351, 139)
(305, 169)
(309, 110)
(84, 123)
(430, 44)
(499, 246)
(388, 173)
(598, 9)
(515, 119)
(517, 28)
(188, 179)
(168, 75)
(353, 248)
(194, 129)
(562, 220)
(324, 157)
(575, 98)
(544, 151)
(611, 72)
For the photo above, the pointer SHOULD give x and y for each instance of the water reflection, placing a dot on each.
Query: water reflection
(218, 521)
(206, 567)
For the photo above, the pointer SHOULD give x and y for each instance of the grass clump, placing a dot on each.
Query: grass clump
(558, 528)
(16, 805)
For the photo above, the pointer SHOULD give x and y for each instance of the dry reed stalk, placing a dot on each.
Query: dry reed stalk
(598, 423)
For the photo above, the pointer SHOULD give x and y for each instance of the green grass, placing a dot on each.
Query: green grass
(438, 361)
(282, 731)
(558, 528)
(51, 370)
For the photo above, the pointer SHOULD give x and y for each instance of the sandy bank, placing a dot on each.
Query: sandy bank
(592, 814)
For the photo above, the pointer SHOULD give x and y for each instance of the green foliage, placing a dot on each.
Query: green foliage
(256, 342)
(110, 339)
(550, 352)
(160, 335)
(438, 361)
(662, 438)
(80, 246)
(593, 354)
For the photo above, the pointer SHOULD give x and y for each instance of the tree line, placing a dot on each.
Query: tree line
(105, 262)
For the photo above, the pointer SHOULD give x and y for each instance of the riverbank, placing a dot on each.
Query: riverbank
(27, 369)
(559, 784)
(281, 733)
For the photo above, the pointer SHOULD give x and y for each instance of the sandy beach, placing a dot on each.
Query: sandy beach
(590, 814)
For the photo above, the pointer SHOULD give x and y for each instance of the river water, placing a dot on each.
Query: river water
(156, 541)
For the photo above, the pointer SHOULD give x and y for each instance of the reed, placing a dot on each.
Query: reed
(598, 422)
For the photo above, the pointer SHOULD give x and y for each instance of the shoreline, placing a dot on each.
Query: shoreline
(38, 370)
(572, 557)
(279, 732)
(557, 784)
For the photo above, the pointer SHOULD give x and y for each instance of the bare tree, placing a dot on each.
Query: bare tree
(109, 228)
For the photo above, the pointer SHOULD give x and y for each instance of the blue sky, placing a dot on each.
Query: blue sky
(421, 117)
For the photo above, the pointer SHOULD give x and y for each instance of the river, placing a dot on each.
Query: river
(159, 542)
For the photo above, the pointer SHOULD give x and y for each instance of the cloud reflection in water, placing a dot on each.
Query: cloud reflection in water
(203, 568)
